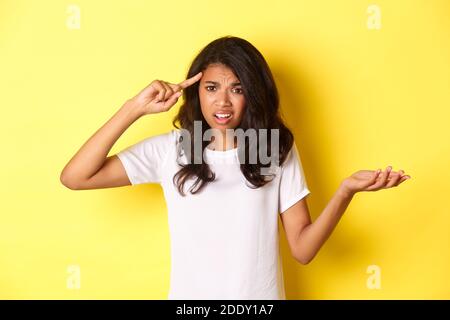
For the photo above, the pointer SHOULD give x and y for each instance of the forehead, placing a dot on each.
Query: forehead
(219, 72)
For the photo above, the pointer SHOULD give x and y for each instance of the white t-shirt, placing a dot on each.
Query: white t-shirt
(224, 239)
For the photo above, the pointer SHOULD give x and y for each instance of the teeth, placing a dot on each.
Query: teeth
(219, 115)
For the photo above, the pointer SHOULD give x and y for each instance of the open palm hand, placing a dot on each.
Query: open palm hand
(370, 180)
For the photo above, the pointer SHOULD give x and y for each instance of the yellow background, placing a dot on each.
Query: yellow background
(355, 98)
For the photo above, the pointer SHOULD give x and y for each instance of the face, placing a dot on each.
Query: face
(221, 97)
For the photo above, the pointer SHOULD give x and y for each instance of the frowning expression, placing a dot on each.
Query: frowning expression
(221, 97)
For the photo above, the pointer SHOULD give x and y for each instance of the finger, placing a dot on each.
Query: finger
(401, 173)
(159, 89)
(382, 179)
(370, 183)
(373, 180)
(169, 91)
(172, 100)
(385, 176)
(188, 82)
(175, 87)
(162, 91)
(390, 175)
(375, 175)
(394, 178)
(403, 179)
(150, 90)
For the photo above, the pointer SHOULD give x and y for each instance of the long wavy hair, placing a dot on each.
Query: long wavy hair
(261, 111)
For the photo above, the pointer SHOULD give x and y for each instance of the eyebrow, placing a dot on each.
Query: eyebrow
(218, 84)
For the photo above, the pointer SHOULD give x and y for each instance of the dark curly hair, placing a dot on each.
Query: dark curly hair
(261, 112)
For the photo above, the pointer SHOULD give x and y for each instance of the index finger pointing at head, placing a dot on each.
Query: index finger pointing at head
(186, 83)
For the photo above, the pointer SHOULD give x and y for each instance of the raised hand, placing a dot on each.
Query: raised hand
(369, 180)
(160, 96)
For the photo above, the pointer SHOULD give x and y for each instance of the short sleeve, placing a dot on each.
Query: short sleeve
(144, 161)
(293, 186)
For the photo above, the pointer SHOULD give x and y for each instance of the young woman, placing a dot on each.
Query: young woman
(223, 212)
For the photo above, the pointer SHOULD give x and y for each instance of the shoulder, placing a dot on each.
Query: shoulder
(291, 157)
(163, 140)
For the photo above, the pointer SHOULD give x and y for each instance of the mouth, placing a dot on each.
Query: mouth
(223, 117)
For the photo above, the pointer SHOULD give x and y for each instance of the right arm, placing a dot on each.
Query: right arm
(90, 167)
(83, 170)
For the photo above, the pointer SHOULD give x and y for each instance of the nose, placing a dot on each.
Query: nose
(223, 99)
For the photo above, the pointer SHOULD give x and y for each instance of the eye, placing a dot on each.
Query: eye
(213, 88)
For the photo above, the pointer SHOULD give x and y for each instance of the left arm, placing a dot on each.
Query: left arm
(305, 238)
(312, 236)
